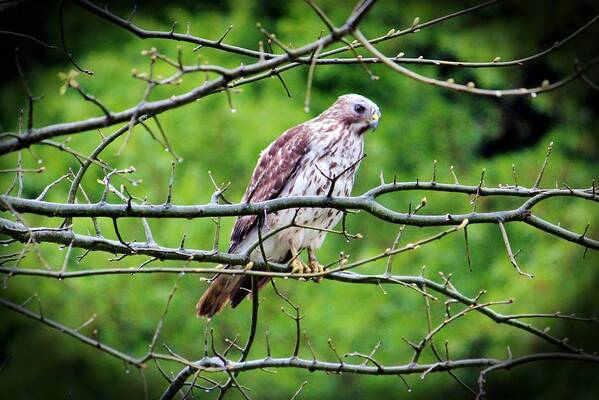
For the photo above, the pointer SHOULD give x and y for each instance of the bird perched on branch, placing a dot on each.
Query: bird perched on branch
(317, 158)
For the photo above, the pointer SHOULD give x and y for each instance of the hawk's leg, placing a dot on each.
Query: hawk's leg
(314, 265)
(297, 265)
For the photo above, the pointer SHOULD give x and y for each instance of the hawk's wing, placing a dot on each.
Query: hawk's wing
(275, 167)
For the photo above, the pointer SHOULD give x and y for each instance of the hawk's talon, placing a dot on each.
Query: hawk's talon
(316, 268)
(298, 267)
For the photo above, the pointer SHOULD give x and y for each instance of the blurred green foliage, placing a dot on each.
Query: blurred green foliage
(420, 124)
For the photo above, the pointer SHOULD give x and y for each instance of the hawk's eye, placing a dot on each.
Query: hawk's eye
(359, 108)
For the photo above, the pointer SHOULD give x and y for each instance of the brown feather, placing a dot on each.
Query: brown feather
(217, 295)
(245, 288)
(245, 285)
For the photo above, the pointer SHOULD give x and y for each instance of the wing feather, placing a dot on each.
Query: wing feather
(275, 168)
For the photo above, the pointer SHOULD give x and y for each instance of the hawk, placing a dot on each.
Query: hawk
(306, 160)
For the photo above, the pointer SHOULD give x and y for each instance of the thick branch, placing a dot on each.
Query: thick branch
(12, 143)
(366, 202)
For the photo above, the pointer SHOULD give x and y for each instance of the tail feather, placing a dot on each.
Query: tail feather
(227, 288)
(245, 284)
(217, 295)
(245, 288)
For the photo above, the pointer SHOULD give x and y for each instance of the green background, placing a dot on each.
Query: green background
(419, 124)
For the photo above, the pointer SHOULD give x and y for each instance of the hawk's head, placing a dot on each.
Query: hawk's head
(356, 112)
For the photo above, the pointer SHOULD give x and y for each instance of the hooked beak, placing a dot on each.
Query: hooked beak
(374, 120)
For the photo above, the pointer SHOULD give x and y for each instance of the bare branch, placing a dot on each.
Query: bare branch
(62, 40)
(365, 202)
(506, 241)
(470, 88)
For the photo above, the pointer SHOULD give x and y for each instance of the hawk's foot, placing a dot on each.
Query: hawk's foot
(315, 268)
(299, 267)
(314, 265)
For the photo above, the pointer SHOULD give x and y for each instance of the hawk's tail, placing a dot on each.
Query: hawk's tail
(226, 288)
(218, 294)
